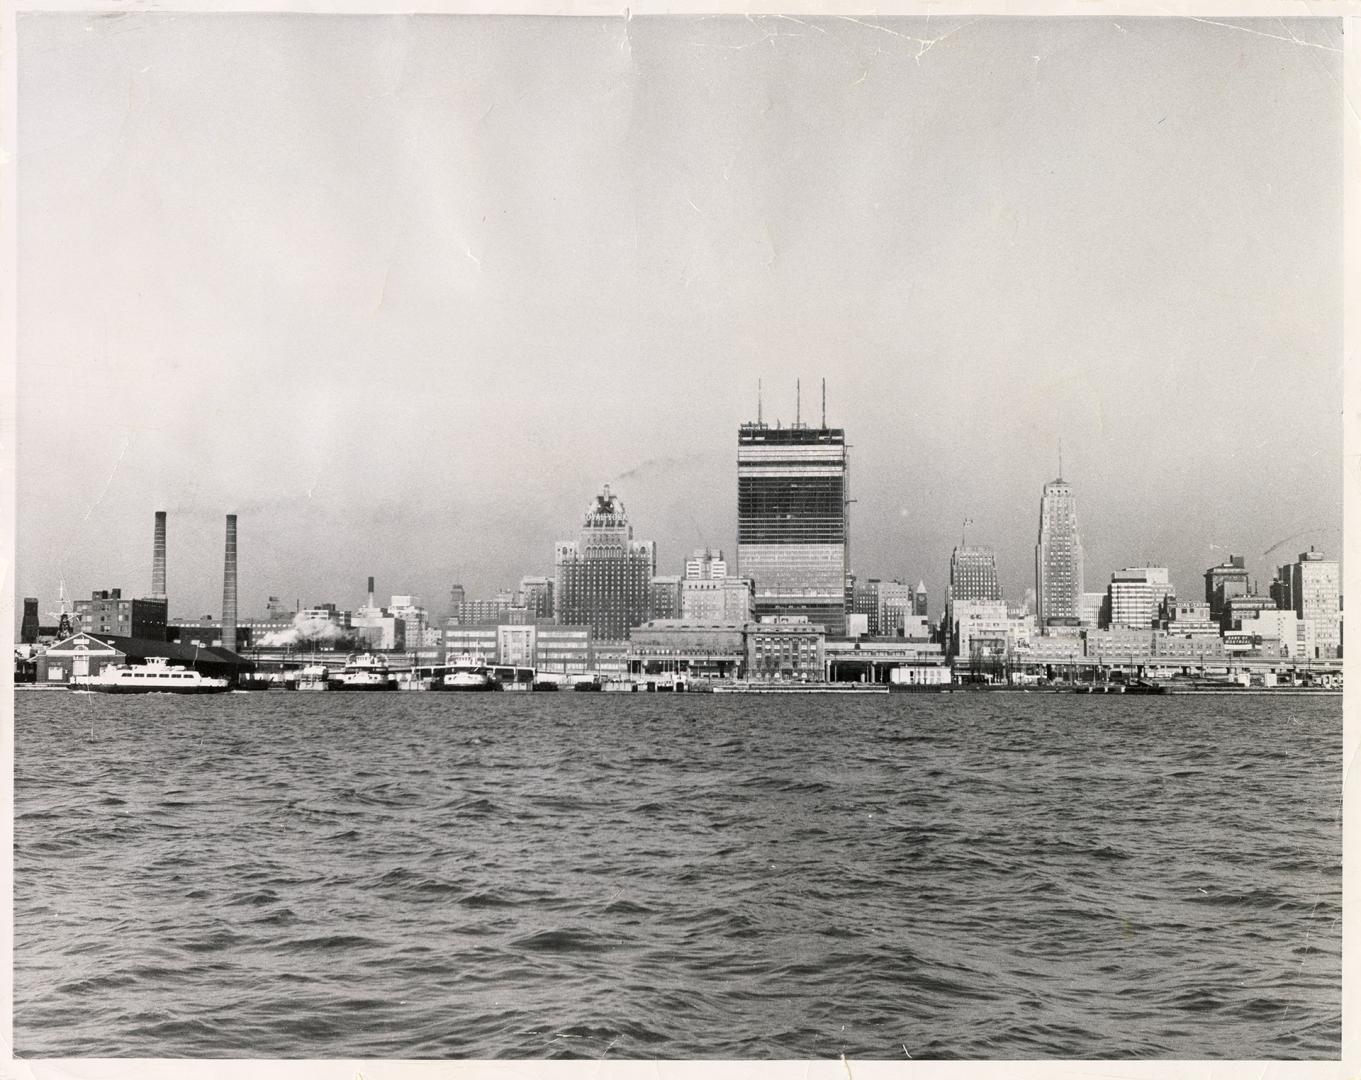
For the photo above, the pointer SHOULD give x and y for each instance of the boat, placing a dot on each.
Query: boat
(312, 677)
(469, 672)
(364, 672)
(156, 676)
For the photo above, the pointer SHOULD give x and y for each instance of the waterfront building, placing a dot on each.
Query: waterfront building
(665, 597)
(707, 648)
(474, 639)
(886, 660)
(604, 577)
(109, 612)
(1058, 558)
(786, 647)
(564, 649)
(705, 564)
(536, 596)
(1223, 582)
(1315, 585)
(716, 600)
(973, 574)
(85, 654)
(1136, 595)
(517, 645)
(792, 537)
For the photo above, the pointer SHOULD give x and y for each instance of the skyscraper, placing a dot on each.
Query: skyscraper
(791, 520)
(973, 574)
(1058, 558)
(1314, 587)
(604, 577)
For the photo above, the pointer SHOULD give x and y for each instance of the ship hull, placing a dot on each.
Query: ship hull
(180, 690)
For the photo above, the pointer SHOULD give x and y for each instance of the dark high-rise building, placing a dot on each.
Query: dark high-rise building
(973, 574)
(792, 536)
(28, 629)
(604, 578)
(1058, 558)
(1223, 582)
(536, 594)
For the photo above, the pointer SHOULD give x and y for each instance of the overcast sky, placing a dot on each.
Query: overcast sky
(402, 292)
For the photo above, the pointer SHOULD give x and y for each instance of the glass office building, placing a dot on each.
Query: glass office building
(791, 521)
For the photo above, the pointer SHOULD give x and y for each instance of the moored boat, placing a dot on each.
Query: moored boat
(469, 672)
(364, 672)
(156, 676)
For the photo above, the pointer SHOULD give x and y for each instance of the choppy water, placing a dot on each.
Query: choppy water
(422, 875)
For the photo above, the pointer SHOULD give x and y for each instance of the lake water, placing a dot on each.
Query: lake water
(692, 876)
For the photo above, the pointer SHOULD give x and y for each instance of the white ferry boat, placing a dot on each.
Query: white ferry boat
(364, 672)
(469, 672)
(156, 676)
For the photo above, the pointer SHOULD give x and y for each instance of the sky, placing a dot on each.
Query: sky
(402, 292)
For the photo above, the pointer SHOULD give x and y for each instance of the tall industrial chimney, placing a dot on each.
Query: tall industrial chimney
(229, 589)
(158, 559)
(370, 593)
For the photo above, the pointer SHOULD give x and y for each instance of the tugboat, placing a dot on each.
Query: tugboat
(469, 673)
(364, 672)
(156, 676)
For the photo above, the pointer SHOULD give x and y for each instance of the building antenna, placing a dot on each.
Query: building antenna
(758, 402)
(824, 403)
(798, 401)
(1060, 459)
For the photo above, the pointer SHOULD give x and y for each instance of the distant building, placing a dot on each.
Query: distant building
(1136, 595)
(1238, 608)
(1190, 617)
(1091, 605)
(108, 612)
(716, 600)
(791, 521)
(536, 596)
(457, 594)
(1058, 558)
(29, 629)
(865, 602)
(896, 604)
(705, 564)
(978, 629)
(665, 597)
(564, 649)
(1223, 582)
(921, 604)
(604, 577)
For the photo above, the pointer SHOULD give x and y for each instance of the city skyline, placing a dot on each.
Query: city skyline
(444, 360)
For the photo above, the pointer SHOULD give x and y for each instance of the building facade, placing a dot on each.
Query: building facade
(786, 647)
(792, 537)
(1315, 586)
(109, 612)
(1058, 558)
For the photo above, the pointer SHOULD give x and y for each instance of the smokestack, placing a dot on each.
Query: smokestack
(370, 591)
(229, 588)
(158, 559)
